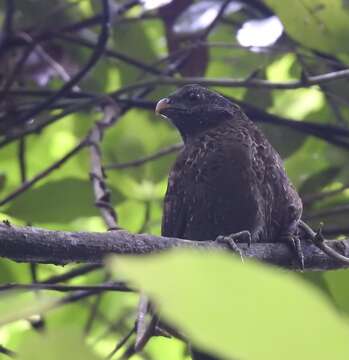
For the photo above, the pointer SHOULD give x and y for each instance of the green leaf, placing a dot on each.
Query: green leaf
(15, 305)
(285, 140)
(309, 159)
(56, 345)
(57, 202)
(319, 24)
(337, 283)
(244, 311)
(142, 48)
(319, 180)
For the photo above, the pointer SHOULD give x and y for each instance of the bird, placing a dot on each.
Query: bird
(228, 178)
(228, 182)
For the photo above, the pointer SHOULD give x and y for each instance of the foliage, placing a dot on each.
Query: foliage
(245, 311)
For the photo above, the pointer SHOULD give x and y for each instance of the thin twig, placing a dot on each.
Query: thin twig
(37, 127)
(249, 83)
(8, 352)
(71, 274)
(327, 212)
(16, 69)
(114, 54)
(121, 343)
(312, 197)
(93, 311)
(22, 159)
(141, 322)
(318, 239)
(96, 54)
(112, 286)
(146, 334)
(29, 183)
(57, 67)
(142, 161)
(101, 191)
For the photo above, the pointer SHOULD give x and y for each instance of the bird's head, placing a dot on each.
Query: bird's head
(194, 109)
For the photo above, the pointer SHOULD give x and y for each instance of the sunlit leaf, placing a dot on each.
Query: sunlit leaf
(319, 24)
(235, 302)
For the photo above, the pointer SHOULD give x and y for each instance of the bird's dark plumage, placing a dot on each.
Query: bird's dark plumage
(228, 178)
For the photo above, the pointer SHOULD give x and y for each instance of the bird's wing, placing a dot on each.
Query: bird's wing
(174, 215)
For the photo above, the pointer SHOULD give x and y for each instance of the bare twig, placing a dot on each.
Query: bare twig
(327, 212)
(16, 69)
(245, 83)
(97, 53)
(318, 239)
(139, 162)
(22, 159)
(145, 334)
(8, 352)
(71, 274)
(141, 323)
(312, 197)
(114, 54)
(122, 342)
(102, 194)
(28, 184)
(112, 286)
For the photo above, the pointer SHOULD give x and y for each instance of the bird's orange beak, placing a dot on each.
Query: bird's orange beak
(161, 105)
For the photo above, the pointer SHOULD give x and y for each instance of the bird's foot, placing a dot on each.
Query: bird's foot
(242, 236)
(294, 242)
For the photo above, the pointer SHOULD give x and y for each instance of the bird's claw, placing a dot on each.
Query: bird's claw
(295, 243)
(242, 236)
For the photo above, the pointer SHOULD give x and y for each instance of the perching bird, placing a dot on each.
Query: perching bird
(228, 179)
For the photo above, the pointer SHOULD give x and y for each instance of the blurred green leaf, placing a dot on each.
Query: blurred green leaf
(139, 134)
(285, 140)
(319, 24)
(337, 283)
(16, 305)
(284, 317)
(309, 159)
(232, 61)
(319, 180)
(57, 201)
(56, 345)
(170, 349)
(136, 34)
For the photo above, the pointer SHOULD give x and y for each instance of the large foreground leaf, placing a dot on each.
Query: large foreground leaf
(243, 311)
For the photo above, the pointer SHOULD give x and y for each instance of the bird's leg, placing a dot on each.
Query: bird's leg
(292, 238)
(241, 236)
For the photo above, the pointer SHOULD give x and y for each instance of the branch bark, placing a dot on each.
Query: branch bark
(28, 244)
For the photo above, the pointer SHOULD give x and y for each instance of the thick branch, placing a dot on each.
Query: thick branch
(27, 244)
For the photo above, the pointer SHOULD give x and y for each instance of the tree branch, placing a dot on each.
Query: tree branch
(28, 244)
(245, 83)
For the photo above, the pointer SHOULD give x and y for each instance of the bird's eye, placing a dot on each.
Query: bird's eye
(194, 96)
